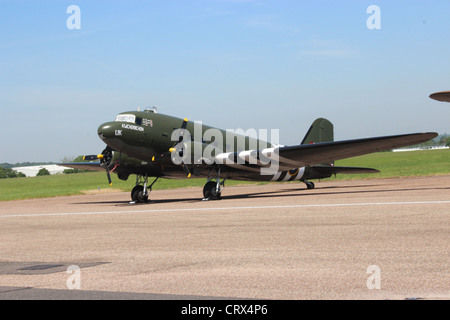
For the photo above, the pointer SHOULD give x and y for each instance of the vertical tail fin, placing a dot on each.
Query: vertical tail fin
(321, 130)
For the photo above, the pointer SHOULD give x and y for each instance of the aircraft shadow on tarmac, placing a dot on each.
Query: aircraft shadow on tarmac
(284, 193)
(295, 192)
(265, 194)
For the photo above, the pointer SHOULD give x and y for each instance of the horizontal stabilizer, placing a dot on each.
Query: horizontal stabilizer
(344, 170)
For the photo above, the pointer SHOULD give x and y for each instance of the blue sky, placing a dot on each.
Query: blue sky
(229, 63)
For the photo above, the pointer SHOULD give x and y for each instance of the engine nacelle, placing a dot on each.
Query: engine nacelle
(124, 165)
(194, 153)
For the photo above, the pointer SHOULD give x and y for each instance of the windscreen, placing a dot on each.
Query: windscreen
(126, 118)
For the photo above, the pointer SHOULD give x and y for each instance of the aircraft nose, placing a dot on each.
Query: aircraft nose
(106, 131)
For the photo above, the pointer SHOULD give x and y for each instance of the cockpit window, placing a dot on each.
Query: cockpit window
(131, 118)
(139, 121)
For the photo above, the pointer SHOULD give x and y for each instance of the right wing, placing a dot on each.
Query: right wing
(310, 154)
(318, 153)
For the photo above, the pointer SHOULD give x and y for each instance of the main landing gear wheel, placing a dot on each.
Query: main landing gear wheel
(138, 195)
(140, 192)
(214, 185)
(210, 191)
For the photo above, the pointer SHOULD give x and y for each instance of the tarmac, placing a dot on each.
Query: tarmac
(363, 239)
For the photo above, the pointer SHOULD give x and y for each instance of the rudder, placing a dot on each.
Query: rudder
(320, 131)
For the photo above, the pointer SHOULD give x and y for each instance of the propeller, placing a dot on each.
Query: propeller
(175, 149)
(183, 127)
(105, 160)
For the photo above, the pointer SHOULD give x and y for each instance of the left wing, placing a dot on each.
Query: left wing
(92, 166)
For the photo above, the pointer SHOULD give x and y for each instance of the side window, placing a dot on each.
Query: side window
(138, 121)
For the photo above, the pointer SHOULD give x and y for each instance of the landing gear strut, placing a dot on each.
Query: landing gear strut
(140, 192)
(213, 189)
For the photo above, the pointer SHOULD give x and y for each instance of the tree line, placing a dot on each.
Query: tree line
(7, 171)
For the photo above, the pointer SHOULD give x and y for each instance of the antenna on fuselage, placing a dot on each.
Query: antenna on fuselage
(151, 110)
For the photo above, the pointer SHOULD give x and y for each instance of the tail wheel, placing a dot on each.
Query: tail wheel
(309, 184)
(138, 195)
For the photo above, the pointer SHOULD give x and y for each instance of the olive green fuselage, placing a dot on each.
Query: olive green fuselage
(142, 140)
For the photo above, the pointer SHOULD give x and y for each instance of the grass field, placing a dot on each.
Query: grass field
(400, 164)
(73, 184)
(391, 164)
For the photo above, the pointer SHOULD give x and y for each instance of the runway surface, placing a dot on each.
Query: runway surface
(368, 239)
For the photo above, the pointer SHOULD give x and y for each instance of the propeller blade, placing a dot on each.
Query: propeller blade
(105, 160)
(186, 170)
(109, 176)
(184, 124)
(183, 127)
(90, 157)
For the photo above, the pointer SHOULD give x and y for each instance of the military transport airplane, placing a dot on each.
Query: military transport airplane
(153, 145)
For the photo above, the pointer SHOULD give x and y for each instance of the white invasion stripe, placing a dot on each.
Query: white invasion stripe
(287, 176)
(247, 154)
(224, 158)
(277, 176)
(268, 152)
(300, 174)
(251, 156)
(228, 208)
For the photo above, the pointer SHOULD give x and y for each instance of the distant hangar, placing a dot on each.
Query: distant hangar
(32, 171)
